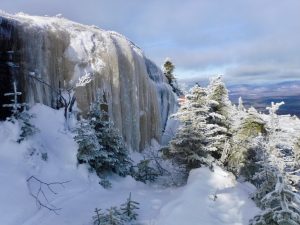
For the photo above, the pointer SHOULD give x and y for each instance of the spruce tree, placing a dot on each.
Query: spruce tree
(219, 116)
(276, 195)
(144, 172)
(27, 128)
(101, 145)
(129, 209)
(89, 149)
(246, 143)
(189, 146)
(168, 69)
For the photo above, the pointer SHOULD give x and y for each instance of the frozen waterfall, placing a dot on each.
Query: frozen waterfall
(91, 60)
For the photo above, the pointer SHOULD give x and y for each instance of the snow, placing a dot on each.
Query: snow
(62, 52)
(189, 205)
(85, 79)
(196, 205)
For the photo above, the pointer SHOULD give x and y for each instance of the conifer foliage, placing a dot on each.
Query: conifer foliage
(251, 145)
(101, 145)
(168, 69)
(129, 208)
(126, 214)
(277, 193)
(204, 131)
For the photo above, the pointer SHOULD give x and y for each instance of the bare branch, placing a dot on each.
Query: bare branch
(40, 197)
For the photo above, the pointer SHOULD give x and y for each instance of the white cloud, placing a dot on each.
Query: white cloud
(233, 37)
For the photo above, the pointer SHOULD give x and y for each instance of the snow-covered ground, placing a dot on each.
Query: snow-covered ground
(193, 204)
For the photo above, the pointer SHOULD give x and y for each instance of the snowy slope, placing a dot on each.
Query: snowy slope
(189, 205)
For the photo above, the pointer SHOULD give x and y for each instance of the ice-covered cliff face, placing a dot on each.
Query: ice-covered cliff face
(92, 61)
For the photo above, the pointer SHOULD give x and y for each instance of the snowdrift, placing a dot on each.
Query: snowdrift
(193, 204)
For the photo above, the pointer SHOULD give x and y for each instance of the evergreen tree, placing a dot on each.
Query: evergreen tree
(218, 97)
(241, 105)
(27, 128)
(246, 144)
(219, 117)
(276, 195)
(98, 219)
(113, 217)
(168, 69)
(101, 145)
(188, 147)
(89, 149)
(198, 140)
(144, 172)
(117, 216)
(129, 209)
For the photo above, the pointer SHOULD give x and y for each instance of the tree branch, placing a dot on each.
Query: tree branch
(40, 194)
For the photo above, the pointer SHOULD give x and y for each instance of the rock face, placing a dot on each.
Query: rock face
(92, 61)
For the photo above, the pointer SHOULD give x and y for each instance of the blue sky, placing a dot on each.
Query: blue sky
(246, 40)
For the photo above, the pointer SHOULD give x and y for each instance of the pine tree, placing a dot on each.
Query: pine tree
(114, 217)
(115, 157)
(89, 148)
(188, 147)
(27, 128)
(99, 218)
(144, 172)
(101, 145)
(219, 116)
(129, 209)
(277, 197)
(246, 143)
(168, 69)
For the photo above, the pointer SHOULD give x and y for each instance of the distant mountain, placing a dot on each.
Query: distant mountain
(261, 95)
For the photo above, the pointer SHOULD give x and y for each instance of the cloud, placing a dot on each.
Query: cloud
(251, 39)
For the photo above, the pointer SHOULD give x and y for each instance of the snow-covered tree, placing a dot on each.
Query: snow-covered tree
(188, 147)
(144, 172)
(27, 127)
(241, 106)
(219, 99)
(245, 143)
(219, 117)
(276, 194)
(129, 208)
(204, 134)
(101, 145)
(280, 206)
(89, 149)
(117, 216)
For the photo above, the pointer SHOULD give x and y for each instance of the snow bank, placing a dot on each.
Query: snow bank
(210, 198)
(188, 205)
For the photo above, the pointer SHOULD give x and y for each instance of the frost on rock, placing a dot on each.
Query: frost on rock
(90, 59)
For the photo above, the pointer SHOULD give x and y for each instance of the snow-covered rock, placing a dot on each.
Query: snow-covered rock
(92, 61)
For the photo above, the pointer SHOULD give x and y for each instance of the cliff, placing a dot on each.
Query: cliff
(90, 60)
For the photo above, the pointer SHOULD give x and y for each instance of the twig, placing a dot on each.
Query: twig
(41, 193)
